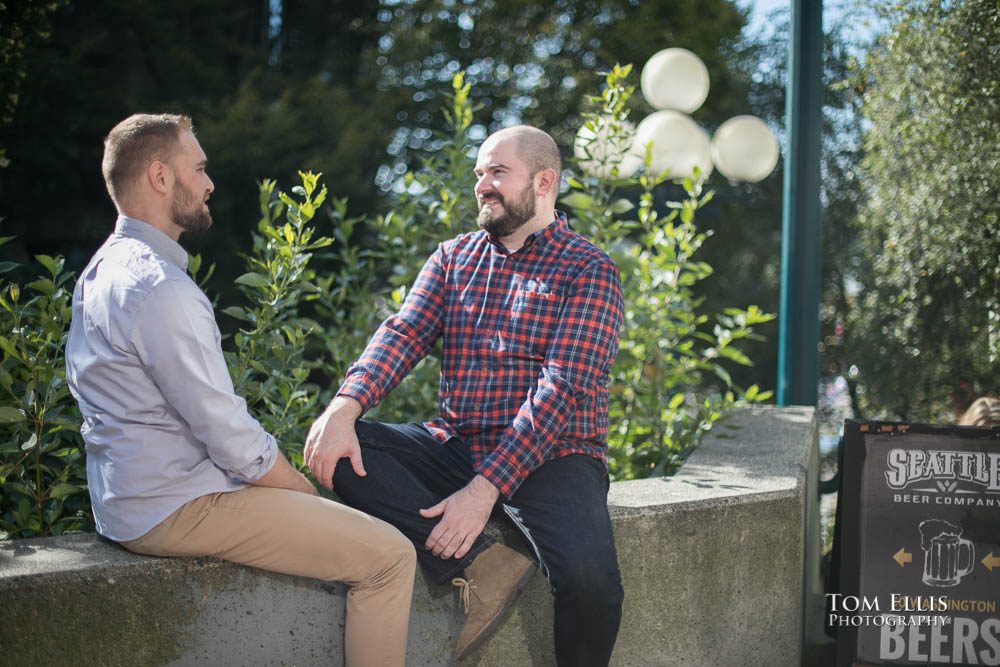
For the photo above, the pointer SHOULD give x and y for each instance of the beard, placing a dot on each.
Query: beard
(188, 212)
(500, 223)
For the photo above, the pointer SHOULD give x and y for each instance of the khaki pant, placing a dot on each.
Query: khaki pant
(295, 533)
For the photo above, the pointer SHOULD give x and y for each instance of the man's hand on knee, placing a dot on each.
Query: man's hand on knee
(331, 438)
(464, 515)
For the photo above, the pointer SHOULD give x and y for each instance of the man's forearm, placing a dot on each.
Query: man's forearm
(283, 476)
(344, 409)
(484, 488)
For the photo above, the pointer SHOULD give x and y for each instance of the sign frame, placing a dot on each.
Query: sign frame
(854, 511)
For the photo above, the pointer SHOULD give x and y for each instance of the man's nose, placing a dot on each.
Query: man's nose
(483, 184)
(211, 185)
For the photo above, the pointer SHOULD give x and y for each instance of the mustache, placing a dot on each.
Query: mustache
(490, 195)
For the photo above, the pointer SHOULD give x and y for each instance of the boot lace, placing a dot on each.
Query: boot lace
(464, 588)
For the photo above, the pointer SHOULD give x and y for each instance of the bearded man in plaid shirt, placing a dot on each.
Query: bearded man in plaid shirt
(528, 313)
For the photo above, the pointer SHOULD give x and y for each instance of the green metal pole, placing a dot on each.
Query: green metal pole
(798, 357)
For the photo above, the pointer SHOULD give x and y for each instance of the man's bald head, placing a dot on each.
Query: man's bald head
(533, 146)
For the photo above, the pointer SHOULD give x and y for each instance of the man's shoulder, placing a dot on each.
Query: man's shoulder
(131, 264)
(128, 277)
(584, 252)
(464, 241)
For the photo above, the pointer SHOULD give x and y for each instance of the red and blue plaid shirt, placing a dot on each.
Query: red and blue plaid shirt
(528, 340)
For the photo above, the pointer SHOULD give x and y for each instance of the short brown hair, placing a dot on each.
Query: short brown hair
(135, 142)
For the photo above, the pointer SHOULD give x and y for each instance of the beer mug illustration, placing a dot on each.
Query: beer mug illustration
(947, 557)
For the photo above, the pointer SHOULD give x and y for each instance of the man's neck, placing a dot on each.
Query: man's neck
(152, 218)
(514, 241)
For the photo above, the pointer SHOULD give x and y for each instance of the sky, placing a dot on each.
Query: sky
(832, 11)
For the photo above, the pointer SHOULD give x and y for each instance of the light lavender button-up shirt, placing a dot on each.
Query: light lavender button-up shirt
(161, 421)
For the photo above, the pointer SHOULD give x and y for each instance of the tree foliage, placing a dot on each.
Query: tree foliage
(21, 24)
(931, 219)
(351, 90)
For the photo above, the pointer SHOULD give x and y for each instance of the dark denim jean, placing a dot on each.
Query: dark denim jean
(561, 510)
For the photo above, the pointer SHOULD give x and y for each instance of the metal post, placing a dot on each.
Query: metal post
(798, 364)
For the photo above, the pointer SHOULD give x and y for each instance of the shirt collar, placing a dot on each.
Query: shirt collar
(154, 238)
(538, 239)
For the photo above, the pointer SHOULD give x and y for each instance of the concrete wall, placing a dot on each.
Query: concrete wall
(712, 561)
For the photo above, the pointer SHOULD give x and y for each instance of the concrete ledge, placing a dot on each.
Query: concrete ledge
(712, 561)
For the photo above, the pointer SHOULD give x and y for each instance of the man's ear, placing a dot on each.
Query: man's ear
(160, 177)
(546, 182)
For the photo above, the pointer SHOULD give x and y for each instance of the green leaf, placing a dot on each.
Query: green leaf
(723, 375)
(237, 312)
(53, 265)
(8, 266)
(621, 206)
(9, 415)
(43, 285)
(7, 346)
(735, 355)
(253, 280)
(61, 490)
(578, 200)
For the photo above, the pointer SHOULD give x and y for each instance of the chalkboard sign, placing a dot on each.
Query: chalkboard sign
(919, 546)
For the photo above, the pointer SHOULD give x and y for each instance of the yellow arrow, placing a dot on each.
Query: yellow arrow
(903, 557)
(991, 561)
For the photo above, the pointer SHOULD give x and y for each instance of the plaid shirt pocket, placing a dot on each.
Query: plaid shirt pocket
(534, 317)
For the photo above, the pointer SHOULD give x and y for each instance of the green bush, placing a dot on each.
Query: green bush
(301, 326)
(42, 470)
(663, 394)
(268, 365)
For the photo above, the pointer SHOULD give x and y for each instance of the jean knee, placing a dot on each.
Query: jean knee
(590, 585)
(344, 476)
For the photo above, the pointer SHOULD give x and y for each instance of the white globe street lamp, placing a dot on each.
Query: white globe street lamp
(675, 79)
(679, 144)
(744, 149)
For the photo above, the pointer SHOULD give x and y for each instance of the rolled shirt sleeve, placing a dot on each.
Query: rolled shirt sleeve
(178, 341)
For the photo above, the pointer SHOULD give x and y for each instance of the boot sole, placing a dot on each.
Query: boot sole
(490, 627)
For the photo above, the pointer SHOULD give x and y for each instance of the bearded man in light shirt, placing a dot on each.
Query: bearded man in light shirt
(176, 466)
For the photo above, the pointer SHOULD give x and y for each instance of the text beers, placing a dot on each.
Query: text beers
(950, 643)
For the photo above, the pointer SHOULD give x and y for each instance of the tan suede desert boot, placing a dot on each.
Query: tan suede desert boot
(488, 591)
